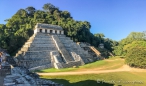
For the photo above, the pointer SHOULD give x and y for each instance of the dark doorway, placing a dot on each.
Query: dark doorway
(55, 31)
(50, 31)
(40, 30)
(45, 31)
(60, 32)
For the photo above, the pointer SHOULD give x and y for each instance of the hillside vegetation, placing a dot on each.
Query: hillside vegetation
(20, 27)
(133, 47)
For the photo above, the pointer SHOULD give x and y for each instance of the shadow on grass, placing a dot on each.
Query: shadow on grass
(82, 83)
(52, 70)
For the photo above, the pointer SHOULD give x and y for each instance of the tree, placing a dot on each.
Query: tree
(134, 44)
(65, 14)
(20, 27)
(49, 7)
(121, 49)
(136, 35)
(30, 10)
(136, 57)
(22, 13)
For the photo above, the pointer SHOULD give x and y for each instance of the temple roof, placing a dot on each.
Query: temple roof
(49, 26)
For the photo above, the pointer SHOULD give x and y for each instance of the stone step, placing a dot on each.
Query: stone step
(61, 35)
(67, 57)
(42, 45)
(48, 48)
(41, 67)
(38, 39)
(71, 64)
(37, 57)
(36, 52)
(43, 42)
(33, 62)
(26, 45)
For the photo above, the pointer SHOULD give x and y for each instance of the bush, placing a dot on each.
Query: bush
(136, 57)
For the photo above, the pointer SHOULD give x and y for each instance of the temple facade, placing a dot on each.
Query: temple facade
(48, 28)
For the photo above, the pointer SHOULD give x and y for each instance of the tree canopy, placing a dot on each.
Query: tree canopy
(20, 27)
(136, 57)
(120, 49)
(133, 47)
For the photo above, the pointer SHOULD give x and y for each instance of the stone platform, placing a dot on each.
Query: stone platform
(47, 50)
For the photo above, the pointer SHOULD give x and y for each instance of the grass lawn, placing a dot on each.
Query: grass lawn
(105, 79)
(111, 63)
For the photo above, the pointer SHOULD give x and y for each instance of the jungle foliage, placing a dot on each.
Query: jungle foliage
(133, 48)
(20, 27)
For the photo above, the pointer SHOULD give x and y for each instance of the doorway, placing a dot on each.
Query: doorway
(40, 30)
(45, 31)
(50, 31)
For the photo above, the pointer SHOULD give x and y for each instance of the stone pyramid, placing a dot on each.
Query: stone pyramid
(48, 47)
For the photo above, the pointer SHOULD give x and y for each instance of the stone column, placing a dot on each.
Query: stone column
(38, 29)
(58, 32)
(62, 32)
(48, 31)
(43, 30)
(53, 31)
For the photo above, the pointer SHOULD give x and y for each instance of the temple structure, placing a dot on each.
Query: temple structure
(48, 28)
(49, 47)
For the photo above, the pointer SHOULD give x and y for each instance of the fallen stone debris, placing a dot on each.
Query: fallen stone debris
(21, 76)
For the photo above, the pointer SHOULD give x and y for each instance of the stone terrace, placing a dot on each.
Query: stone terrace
(36, 52)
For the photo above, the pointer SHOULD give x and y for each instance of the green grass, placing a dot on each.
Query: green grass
(105, 79)
(100, 65)
(91, 65)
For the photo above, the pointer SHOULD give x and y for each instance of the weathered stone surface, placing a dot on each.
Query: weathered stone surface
(39, 46)
(21, 76)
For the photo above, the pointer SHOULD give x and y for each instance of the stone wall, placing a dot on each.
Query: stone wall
(35, 53)
(22, 77)
(65, 54)
(73, 47)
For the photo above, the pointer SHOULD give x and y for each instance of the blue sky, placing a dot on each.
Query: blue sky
(114, 18)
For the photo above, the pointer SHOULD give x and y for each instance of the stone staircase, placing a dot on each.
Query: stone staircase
(25, 46)
(35, 54)
(61, 48)
(111, 54)
(72, 64)
(73, 47)
(96, 52)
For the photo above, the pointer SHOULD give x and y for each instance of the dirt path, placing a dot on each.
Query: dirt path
(123, 68)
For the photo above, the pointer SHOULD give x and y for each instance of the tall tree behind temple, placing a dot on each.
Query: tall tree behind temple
(20, 27)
